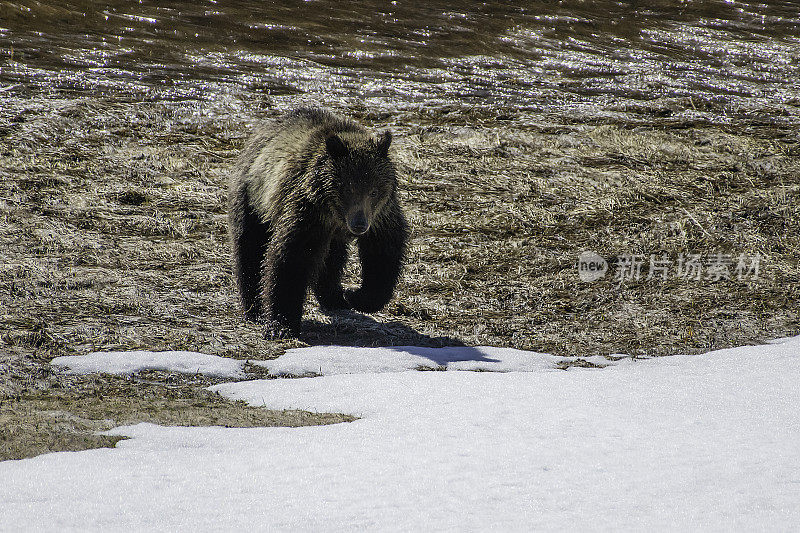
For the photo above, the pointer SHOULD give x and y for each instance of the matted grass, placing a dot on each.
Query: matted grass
(71, 416)
(113, 231)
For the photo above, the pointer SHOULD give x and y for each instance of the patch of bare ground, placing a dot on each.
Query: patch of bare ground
(73, 415)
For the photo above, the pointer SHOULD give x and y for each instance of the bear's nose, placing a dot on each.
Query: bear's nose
(357, 223)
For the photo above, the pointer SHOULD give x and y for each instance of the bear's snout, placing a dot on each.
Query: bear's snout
(357, 223)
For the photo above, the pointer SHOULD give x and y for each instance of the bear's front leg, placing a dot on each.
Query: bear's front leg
(250, 237)
(381, 252)
(292, 258)
(328, 287)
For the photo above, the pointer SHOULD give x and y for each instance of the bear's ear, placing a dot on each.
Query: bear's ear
(335, 147)
(383, 143)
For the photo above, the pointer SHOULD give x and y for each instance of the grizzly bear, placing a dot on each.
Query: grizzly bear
(304, 187)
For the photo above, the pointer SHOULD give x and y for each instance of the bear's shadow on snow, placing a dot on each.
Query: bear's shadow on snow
(350, 328)
(440, 357)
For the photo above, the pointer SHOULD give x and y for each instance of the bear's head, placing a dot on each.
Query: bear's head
(363, 178)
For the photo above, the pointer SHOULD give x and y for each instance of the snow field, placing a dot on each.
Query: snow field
(703, 442)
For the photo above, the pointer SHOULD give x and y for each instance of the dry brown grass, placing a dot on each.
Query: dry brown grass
(113, 237)
(71, 416)
(503, 213)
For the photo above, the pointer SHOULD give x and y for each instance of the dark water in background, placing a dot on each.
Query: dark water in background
(719, 61)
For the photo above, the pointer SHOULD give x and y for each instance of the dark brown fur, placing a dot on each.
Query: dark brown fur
(305, 186)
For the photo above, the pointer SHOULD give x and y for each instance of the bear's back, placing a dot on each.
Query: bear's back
(293, 137)
(281, 151)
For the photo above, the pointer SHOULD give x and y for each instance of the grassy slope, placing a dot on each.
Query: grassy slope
(113, 237)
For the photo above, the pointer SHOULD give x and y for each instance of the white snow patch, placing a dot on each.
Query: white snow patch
(781, 340)
(131, 362)
(328, 360)
(323, 360)
(705, 442)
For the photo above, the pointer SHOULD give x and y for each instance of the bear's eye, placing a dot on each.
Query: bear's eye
(373, 193)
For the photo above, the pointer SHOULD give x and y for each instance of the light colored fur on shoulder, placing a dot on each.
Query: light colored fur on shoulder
(281, 153)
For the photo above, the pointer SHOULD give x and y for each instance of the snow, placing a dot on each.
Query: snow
(704, 442)
(328, 360)
(323, 360)
(132, 362)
